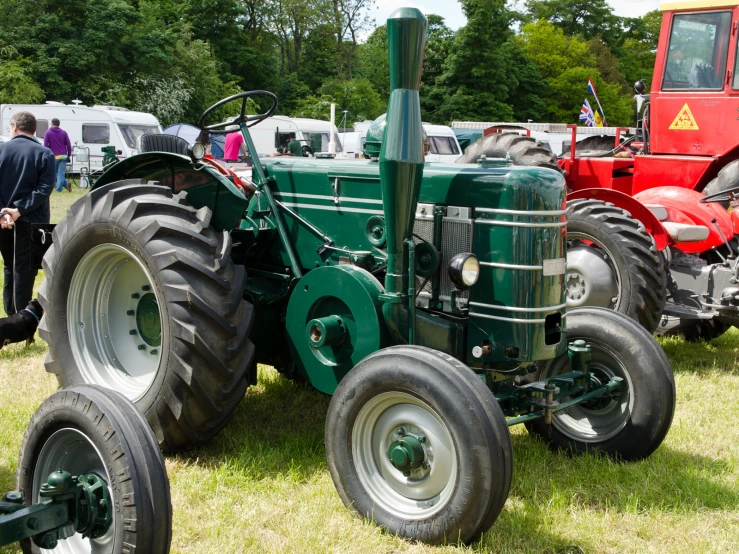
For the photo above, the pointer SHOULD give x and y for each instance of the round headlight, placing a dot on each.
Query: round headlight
(197, 151)
(464, 270)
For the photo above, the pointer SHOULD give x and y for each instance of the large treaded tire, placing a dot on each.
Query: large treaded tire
(523, 150)
(128, 453)
(206, 358)
(648, 383)
(640, 266)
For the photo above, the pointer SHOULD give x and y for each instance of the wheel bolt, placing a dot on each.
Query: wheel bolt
(154, 352)
(132, 332)
(425, 465)
(135, 295)
(422, 439)
(406, 473)
(130, 312)
(103, 504)
(142, 347)
(146, 287)
(401, 431)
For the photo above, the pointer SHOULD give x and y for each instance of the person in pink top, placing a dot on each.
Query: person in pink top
(234, 146)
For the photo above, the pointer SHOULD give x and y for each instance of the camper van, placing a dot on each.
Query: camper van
(273, 134)
(88, 127)
(443, 145)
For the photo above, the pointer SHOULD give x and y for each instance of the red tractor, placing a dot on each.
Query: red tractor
(648, 230)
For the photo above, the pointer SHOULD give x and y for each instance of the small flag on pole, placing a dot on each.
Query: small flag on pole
(591, 90)
(598, 119)
(586, 114)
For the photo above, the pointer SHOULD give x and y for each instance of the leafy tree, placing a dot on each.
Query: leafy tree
(16, 84)
(586, 18)
(357, 97)
(372, 62)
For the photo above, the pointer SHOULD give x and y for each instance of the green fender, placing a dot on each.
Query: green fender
(205, 186)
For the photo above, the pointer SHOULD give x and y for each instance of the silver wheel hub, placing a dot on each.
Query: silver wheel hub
(591, 278)
(71, 451)
(395, 421)
(114, 321)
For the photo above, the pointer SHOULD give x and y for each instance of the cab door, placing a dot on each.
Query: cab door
(692, 92)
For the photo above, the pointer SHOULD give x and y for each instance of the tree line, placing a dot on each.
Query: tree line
(174, 58)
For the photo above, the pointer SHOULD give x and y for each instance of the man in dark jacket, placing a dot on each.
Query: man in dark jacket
(56, 139)
(26, 181)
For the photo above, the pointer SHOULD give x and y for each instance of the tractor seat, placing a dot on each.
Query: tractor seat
(681, 232)
(152, 142)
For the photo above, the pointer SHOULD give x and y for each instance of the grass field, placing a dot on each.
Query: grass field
(262, 485)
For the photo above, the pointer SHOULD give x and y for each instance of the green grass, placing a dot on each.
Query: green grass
(262, 484)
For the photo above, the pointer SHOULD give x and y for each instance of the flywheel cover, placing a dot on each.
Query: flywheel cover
(352, 294)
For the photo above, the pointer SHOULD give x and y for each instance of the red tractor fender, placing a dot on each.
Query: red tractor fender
(684, 206)
(637, 210)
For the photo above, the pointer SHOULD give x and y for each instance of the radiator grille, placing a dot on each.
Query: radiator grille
(456, 237)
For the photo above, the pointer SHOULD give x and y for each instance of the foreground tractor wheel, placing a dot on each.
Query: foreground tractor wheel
(416, 442)
(523, 150)
(141, 297)
(612, 263)
(92, 431)
(634, 422)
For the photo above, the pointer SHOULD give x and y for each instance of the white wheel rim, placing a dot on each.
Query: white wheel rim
(69, 450)
(425, 491)
(101, 318)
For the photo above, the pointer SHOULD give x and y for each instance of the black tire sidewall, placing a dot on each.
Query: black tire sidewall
(86, 238)
(478, 469)
(87, 409)
(652, 386)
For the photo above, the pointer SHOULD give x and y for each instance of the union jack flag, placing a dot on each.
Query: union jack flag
(586, 114)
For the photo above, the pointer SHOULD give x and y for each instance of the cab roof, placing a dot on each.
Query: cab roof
(674, 5)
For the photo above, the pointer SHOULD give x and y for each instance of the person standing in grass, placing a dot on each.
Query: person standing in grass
(56, 139)
(26, 182)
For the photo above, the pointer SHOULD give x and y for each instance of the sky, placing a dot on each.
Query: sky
(451, 10)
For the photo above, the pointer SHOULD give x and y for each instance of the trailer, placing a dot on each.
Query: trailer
(92, 127)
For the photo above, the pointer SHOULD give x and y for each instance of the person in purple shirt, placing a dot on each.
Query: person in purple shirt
(56, 139)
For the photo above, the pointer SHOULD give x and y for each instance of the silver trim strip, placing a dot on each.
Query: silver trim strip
(532, 213)
(517, 224)
(517, 309)
(331, 198)
(513, 266)
(335, 208)
(511, 319)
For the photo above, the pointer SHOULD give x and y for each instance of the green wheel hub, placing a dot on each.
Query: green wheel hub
(407, 453)
(148, 320)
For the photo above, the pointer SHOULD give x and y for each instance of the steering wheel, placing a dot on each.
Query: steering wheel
(307, 150)
(723, 196)
(251, 120)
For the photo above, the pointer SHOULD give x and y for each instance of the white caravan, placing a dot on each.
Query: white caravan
(274, 132)
(443, 144)
(88, 127)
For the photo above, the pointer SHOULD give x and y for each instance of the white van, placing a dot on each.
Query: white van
(88, 127)
(443, 144)
(274, 132)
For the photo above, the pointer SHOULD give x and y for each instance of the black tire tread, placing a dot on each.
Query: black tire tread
(523, 150)
(647, 292)
(204, 294)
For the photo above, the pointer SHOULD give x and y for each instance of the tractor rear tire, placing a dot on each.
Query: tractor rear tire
(602, 237)
(86, 429)
(141, 296)
(704, 331)
(633, 424)
(432, 399)
(522, 150)
(595, 144)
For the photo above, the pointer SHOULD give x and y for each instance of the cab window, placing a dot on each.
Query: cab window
(443, 145)
(696, 58)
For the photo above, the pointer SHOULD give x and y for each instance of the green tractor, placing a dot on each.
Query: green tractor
(429, 300)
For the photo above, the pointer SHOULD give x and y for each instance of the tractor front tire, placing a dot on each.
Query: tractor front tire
(612, 263)
(522, 150)
(91, 430)
(141, 296)
(632, 423)
(417, 443)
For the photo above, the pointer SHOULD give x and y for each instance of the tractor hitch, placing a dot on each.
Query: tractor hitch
(543, 398)
(82, 503)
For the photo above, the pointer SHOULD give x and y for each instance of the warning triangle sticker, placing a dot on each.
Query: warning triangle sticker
(684, 121)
